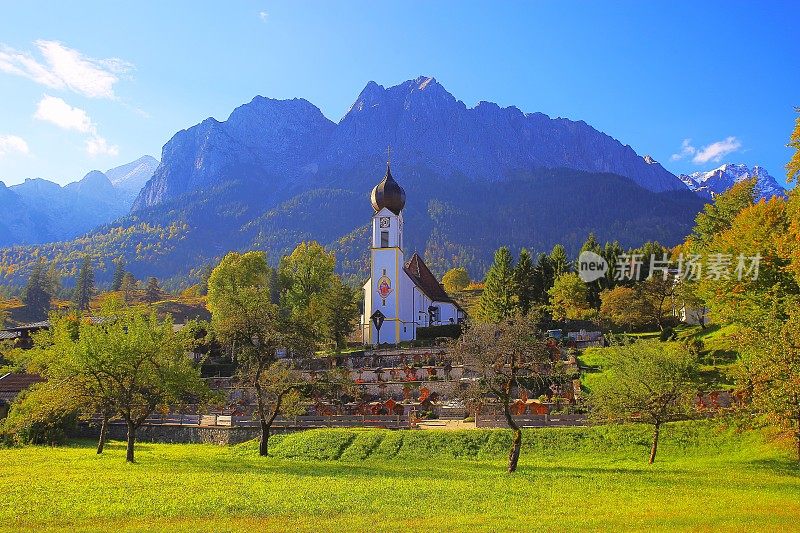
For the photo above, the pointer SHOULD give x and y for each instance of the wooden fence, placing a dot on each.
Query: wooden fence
(335, 421)
(531, 421)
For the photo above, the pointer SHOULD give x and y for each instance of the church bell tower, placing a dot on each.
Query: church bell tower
(383, 292)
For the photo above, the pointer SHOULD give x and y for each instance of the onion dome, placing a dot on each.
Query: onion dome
(389, 194)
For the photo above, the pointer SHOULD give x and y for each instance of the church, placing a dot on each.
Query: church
(400, 295)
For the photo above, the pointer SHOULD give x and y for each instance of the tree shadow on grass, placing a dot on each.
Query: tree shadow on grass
(781, 466)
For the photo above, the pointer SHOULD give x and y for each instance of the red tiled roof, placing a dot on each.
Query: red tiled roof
(423, 278)
(12, 384)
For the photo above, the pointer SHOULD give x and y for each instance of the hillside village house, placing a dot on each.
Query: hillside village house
(406, 293)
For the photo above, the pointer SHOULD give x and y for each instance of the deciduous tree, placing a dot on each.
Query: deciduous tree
(505, 356)
(646, 382)
(569, 298)
(244, 316)
(455, 279)
(126, 366)
(307, 271)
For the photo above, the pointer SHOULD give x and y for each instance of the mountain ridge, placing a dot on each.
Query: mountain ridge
(423, 123)
(38, 210)
(712, 182)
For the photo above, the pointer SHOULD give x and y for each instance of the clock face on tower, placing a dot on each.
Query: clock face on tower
(385, 222)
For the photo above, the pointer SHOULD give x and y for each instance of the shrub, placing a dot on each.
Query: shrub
(39, 416)
(451, 331)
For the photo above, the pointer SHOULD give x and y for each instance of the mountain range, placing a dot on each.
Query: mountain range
(39, 211)
(719, 180)
(277, 172)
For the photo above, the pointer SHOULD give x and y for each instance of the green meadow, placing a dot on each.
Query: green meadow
(707, 476)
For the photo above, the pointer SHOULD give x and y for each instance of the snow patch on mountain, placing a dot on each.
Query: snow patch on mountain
(713, 182)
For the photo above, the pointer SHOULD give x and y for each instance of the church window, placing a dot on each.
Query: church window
(384, 239)
(384, 271)
(384, 302)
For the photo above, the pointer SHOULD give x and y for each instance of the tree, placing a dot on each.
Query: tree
(37, 295)
(793, 166)
(656, 298)
(119, 274)
(622, 307)
(505, 356)
(126, 366)
(543, 278)
(43, 415)
(524, 281)
(594, 287)
(718, 215)
(307, 271)
(53, 279)
(84, 289)
(129, 286)
(153, 292)
(647, 382)
(569, 298)
(497, 300)
(559, 260)
(768, 370)
(337, 310)
(455, 280)
(243, 315)
(203, 275)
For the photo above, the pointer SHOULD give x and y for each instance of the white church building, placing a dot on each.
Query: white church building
(404, 295)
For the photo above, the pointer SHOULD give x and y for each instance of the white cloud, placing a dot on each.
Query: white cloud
(263, 15)
(686, 150)
(717, 150)
(711, 152)
(65, 68)
(57, 111)
(97, 145)
(13, 144)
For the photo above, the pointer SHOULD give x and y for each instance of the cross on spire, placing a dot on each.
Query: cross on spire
(389, 154)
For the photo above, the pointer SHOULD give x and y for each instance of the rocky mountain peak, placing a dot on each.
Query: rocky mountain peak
(718, 180)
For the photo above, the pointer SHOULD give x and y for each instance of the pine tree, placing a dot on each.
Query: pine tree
(152, 291)
(205, 273)
(36, 295)
(128, 286)
(119, 274)
(591, 245)
(611, 253)
(524, 280)
(497, 300)
(84, 289)
(543, 278)
(559, 261)
(53, 279)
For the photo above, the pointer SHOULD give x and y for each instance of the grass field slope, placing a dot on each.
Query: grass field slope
(708, 477)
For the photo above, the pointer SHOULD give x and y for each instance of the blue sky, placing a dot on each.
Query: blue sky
(91, 85)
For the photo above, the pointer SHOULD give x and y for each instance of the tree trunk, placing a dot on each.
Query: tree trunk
(103, 430)
(797, 436)
(131, 439)
(516, 443)
(654, 448)
(263, 444)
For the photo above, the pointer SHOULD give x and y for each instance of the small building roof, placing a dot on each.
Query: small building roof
(12, 384)
(423, 278)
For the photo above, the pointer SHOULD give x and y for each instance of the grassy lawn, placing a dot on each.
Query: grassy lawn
(715, 362)
(707, 477)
